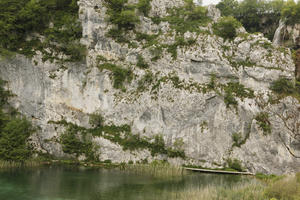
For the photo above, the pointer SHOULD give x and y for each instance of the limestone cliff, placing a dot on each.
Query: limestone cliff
(213, 97)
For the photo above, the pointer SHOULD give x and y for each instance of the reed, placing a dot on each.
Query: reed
(13, 164)
(155, 169)
(287, 188)
(246, 191)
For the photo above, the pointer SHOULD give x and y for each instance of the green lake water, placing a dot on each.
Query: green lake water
(78, 183)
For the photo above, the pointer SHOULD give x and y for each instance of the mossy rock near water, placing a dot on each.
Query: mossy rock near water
(196, 101)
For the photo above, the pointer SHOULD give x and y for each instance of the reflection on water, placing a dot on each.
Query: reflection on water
(62, 183)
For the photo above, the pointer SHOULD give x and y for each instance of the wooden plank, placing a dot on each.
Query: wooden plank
(218, 171)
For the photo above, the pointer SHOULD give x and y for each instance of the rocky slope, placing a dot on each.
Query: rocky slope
(211, 101)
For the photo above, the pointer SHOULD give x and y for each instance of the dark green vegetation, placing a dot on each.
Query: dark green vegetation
(226, 27)
(187, 18)
(141, 63)
(119, 75)
(291, 11)
(235, 164)
(76, 140)
(235, 89)
(15, 131)
(261, 15)
(239, 139)
(121, 14)
(284, 87)
(179, 42)
(263, 122)
(23, 23)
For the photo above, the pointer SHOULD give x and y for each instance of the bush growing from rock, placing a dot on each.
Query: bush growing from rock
(226, 27)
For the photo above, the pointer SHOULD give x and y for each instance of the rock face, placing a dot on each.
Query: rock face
(206, 124)
(287, 35)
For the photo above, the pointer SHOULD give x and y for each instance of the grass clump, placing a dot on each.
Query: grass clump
(179, 42)
(284, 87)
(286, 189)
(96, 120)
(264, 122)
(235, 89)
(145, 81)
(235, 164)
(226, 27)
(18, 164)
(149, 40)
(238, 139)
(246, 191)
(277, 189)
(141, 63)
(268, 177)
(156, 52)
(119, 75)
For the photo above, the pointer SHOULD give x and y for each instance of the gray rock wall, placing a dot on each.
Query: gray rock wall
(49, 92)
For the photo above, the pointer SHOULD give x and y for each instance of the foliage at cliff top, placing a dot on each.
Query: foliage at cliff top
(261, 15)
(24, 23)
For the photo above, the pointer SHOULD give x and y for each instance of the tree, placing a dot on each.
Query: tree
(291, 12)
(14, 140)
(228, 7)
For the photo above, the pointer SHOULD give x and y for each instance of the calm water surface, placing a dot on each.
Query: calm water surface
(66, 183)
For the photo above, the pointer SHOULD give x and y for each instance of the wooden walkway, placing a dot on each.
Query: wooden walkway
(218, 171)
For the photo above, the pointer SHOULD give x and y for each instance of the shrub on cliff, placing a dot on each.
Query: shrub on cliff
(283, 86)
(119, 76)
(226, 27)
(263, 122)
